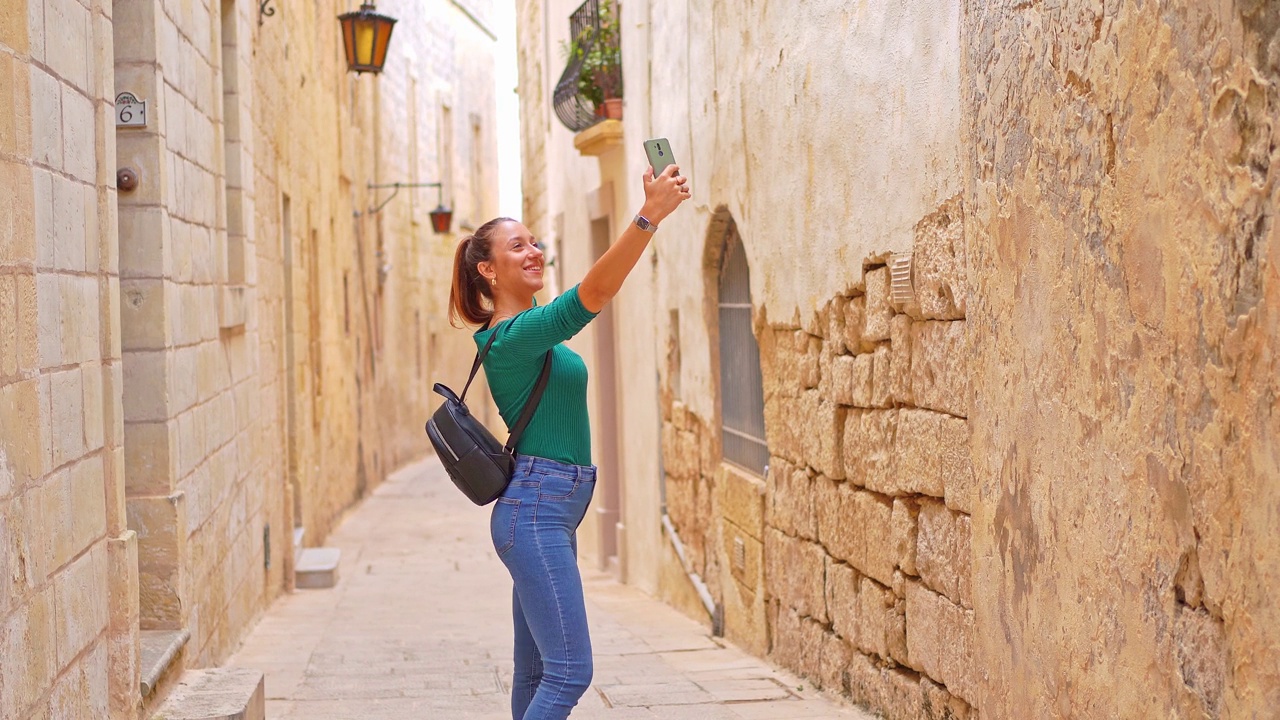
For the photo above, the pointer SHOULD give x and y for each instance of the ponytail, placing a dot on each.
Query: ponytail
(471, 298)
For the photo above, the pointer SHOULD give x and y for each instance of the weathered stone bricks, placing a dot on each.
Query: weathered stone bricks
(8, 325)
(17, 206)
(894, 694)
(903, 531)
(842, 599)
(808, 350)
(881, 627)
(122, 657)
(882, 378)
(835, 655)
(24, 404)
(860, 381)
(874, 512)
(940, 640)
(29, 633)
(151, 456)
(868, 448)
(162, 532)
(943, 551)
(81, 614)
(839, 533)
(820, 425)
(855, 527)
(836, 316)
(839, 379)
(854, 324)
(67, 394)
(791, 500)
(879, 310)
(938, 262)
(144, 315)
(939, 371)
(741, 499)
(795, 574)
(900, 360)
(46, 122)
(796, 640)
(934, 449)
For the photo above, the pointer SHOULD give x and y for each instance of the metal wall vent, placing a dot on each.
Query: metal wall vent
(902, 290)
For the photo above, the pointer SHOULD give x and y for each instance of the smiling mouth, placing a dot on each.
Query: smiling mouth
(533, 268)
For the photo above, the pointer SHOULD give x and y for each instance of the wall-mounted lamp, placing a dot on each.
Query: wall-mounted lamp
(441, 217)
(366, 36)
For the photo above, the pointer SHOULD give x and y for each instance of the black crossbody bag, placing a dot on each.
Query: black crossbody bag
(476, 462)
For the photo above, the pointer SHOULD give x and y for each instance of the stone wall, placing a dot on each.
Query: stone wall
(850, 561)
(239, 345)
(68, 564)
(1121, 183)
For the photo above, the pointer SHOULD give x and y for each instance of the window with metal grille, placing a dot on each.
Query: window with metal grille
(741, 384)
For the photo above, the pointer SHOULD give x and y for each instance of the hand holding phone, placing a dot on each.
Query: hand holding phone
(659, 152)
(665, 188)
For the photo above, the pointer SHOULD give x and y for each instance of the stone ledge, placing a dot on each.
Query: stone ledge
(234, 306)
(599, 138)
(216, 694)
(317, 568)
(157, 651)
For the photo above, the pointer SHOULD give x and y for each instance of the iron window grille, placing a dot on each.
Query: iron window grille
(594, 47)
(741, 382)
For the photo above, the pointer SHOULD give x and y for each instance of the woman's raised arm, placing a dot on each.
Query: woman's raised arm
(662, 195)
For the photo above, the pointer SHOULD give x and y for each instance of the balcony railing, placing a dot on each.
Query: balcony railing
(594, 70)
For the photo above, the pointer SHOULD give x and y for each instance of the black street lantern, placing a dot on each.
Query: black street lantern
(366, 35)
(441, 219)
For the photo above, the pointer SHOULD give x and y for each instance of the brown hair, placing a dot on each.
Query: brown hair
(471, 299)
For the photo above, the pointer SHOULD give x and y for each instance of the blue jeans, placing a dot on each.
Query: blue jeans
(534, 526)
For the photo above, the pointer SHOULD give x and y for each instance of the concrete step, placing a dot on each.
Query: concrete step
(216, 694)
(317, 568)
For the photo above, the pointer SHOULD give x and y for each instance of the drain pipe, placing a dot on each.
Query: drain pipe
(714, 611)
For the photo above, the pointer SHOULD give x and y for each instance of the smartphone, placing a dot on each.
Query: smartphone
(659, 152)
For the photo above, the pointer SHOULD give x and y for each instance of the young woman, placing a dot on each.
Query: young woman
(496, 272)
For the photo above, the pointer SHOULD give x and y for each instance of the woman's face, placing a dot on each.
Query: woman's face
(516, 260)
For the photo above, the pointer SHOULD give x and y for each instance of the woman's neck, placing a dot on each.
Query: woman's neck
(508, 307)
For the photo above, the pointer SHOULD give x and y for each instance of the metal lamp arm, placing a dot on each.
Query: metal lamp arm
(395, 188)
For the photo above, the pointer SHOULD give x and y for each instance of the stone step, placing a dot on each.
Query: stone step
(216, 694)
(317, 568)
(156, 652)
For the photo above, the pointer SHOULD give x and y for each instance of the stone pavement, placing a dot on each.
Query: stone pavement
(419, 626)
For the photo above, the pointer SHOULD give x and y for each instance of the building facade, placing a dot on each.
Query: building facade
(214, 336)
(953, 386)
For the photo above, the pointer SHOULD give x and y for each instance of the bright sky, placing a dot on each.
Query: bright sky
(510, 195)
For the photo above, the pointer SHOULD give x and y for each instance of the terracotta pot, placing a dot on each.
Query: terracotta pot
(612, 108)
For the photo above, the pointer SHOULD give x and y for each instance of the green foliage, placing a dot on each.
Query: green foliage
(599, 50)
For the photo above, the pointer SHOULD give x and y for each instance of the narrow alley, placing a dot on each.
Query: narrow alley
(419, 626)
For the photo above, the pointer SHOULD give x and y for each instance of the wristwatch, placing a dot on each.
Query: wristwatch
(643, 223)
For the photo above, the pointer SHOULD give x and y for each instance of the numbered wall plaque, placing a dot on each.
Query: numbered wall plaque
(130, 111)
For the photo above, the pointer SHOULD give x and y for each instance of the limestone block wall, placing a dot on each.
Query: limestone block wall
(854, 565)
(68, 565)
(1121, 171)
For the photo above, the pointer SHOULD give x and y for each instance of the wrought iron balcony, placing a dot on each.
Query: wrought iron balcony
(594, 71)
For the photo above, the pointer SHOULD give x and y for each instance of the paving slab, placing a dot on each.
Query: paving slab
(419, 626)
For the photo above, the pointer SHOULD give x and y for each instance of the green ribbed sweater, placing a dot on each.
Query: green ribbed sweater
(560, 429)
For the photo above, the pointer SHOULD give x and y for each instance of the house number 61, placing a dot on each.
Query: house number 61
(130, 111)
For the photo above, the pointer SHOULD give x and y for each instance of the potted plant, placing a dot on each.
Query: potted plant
(598, 52)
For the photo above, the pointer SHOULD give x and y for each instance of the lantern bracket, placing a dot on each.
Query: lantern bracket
(265, 11)
(396, 188)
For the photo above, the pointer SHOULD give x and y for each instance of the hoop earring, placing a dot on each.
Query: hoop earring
(493, 282)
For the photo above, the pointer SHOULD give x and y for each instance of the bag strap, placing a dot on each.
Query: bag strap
(530, 406)
(475, 366)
